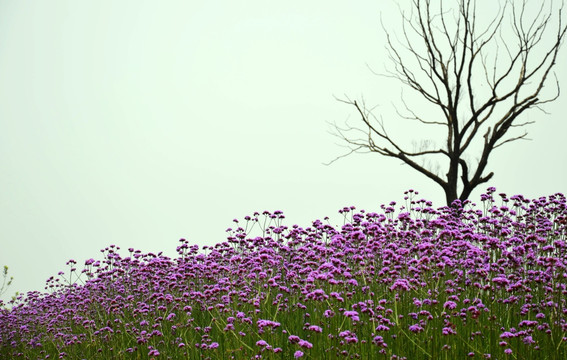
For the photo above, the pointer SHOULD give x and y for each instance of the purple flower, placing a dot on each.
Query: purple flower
(500, 280)
(337, 296)
(402, 284)
(528, 323)
(264, 323)
(153, 352)
(315, 328)
(448, 331)
(352, 282)
(352, 314)
(293, 339)
(378, 340)
(298, 354)
(506, 335)
(528, 340)
(287, 265)
(450, 305)
(416, 328)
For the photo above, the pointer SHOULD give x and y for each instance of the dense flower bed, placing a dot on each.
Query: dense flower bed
(411, 282)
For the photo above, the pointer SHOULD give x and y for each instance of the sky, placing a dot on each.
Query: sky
(137, 123)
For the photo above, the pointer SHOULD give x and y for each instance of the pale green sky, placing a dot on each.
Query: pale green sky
(140, 122)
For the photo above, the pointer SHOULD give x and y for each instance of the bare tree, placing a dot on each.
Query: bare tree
(447, 56)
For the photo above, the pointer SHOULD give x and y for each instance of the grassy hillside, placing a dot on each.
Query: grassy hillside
(413, 282)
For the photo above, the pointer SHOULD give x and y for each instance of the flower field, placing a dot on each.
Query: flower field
(409, 282)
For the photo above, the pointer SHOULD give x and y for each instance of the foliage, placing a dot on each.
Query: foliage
(421, 283)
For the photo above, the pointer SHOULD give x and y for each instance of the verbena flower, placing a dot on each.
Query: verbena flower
(380, 278)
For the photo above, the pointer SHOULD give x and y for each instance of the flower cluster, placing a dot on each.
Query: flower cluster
(454, 282)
